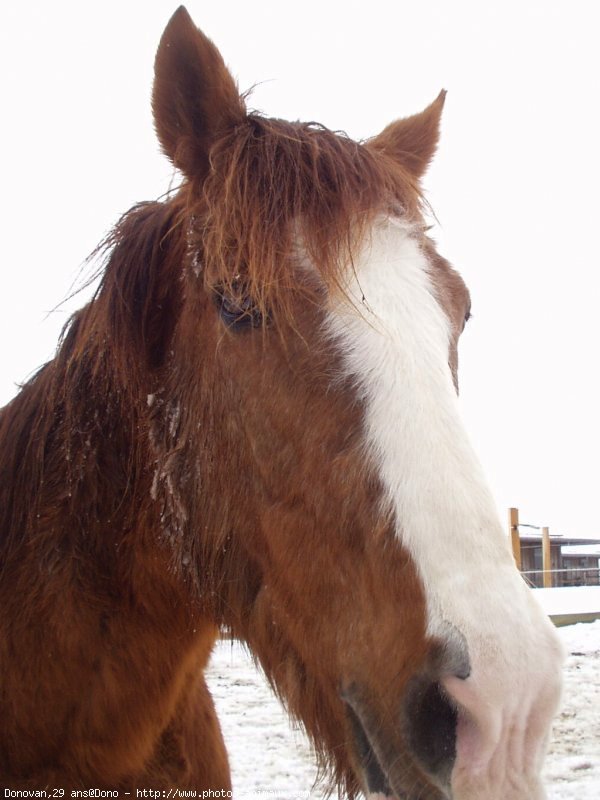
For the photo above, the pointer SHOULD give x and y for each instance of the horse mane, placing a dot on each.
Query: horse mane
(105, 359)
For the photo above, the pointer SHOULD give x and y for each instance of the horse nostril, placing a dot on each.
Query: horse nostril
(430, 728)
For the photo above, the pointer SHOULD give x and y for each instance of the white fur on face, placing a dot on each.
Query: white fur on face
(395, 345)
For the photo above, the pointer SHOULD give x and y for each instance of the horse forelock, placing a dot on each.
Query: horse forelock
(272, 182)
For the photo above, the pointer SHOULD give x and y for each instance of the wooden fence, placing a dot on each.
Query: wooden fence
(554, 569)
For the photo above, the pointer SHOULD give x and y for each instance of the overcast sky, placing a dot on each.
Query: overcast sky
(515, 184)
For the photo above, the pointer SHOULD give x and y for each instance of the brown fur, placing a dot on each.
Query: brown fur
(164, 477)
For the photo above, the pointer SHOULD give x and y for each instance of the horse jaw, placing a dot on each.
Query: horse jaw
(395, 343)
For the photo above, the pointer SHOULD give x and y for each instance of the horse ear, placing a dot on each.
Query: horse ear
(413, 141)
(194, 98)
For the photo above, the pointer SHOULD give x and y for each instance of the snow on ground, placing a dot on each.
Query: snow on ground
(573, 765)
(268, 758)
(271, 760)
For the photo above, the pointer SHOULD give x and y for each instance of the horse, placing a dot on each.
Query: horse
(251, 430)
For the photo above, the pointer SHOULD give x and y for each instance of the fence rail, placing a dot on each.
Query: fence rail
(573, 576)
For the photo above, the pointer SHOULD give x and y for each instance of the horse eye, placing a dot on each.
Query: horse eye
(468, 316)
(238, 311)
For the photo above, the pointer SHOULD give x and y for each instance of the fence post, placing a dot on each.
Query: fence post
(546, 558)
(515, 540)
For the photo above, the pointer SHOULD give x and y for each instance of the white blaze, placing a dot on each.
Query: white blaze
(395, 344)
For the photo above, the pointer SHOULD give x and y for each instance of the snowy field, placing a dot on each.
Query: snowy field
(271, 760)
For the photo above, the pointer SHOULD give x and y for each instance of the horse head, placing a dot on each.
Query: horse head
(268, 378)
